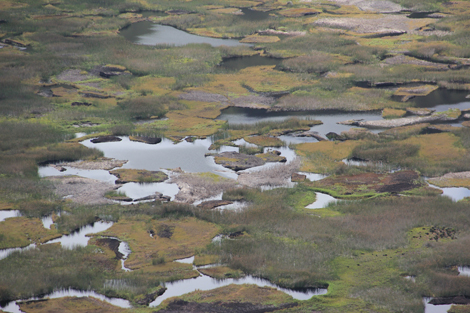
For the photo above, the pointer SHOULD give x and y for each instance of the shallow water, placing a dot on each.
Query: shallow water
(253, 15)
(6, 252)
(102, 175)
(440, 100)
(322, 201)
(14, 308)
(431, 308)
(455, 193)
(189, 260)
(80, 238)
(140, 190)
(126, 251)
(165, 155)
(329, 118)
(204, 282)
(4, 214)
(147, 33)
(464, 270)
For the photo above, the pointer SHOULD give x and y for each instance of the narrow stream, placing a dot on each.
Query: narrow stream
(321, 201)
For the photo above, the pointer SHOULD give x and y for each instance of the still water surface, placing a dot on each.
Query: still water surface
(148, 33)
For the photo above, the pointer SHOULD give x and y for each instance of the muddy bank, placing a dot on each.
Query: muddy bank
(272, 176)
(81, 190)
(196, 187)
(98, 164)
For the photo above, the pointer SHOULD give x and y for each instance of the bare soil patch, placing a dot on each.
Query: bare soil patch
(81, 190)
(98, 164)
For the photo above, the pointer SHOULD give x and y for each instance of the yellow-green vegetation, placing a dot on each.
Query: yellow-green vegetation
(240, 293)
(171, 240)
(265, 141)
(392, 113)
(324, 156)
(69, 304)
(260, 39)
(22, 231)
(138, 176)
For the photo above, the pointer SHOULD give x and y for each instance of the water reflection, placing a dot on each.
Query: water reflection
(189, 156)
(80, 238)
(329, 118)
(147, 33)
(253, 15)
(140, 190)
(455, 193)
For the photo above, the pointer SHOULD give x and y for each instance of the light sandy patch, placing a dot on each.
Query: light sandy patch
(99, 164)
(81, 190)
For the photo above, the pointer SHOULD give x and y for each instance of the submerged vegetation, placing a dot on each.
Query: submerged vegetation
(65, 69)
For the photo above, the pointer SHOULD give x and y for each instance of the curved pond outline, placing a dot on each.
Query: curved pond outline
(13, 307)
(204, 282)
(79, 238)
(4, 214)
(150, 34)
(455, 193)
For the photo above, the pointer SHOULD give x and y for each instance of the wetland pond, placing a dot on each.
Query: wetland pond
(148, 33)
(190, 156)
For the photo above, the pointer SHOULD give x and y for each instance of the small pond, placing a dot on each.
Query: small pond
(165, 155)
(455, 193)
(148, 33)
(253, 15)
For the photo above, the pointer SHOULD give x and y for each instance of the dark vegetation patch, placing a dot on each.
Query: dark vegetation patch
(165, 231)
(367, 184)
(180, 306)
